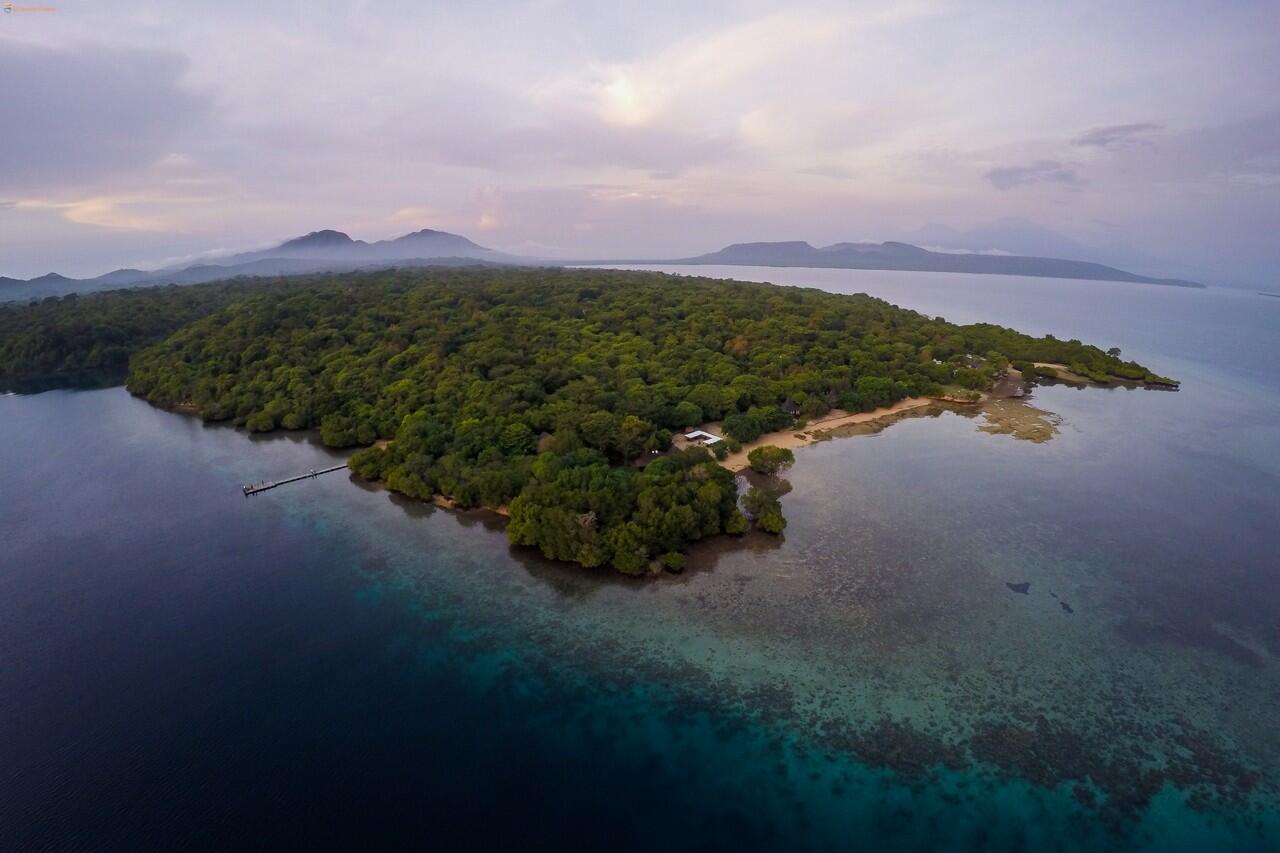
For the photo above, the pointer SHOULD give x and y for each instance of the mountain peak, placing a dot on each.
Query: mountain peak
(434, 237)
(324, 238)
(780, 244)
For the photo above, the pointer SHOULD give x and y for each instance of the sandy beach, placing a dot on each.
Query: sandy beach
(815, 430)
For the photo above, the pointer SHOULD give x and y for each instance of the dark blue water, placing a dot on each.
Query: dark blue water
(324, 665)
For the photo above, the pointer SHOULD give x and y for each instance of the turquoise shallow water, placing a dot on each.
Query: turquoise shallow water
(326, 664)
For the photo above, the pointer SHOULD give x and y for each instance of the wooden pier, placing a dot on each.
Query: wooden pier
(254, 488)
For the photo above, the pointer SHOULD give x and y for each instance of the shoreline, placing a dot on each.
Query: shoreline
(834, 424)
(794, 438)
(1067, 375)
(815, 431)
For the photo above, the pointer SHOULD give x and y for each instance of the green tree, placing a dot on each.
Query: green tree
(737, 523)
(674, 561)
(769, 459)
(600, 430)
(633, 432)
(625, 545)
(765, 508)
(517, 439)
(743, 427)
(687, 414)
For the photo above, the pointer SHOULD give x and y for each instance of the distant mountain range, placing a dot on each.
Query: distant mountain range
(336, 246)
(904, 256)
(334, 251)
(319, 251)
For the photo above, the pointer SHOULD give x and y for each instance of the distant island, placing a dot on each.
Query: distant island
(590, 406)
(906, 257)
(1264, 293)
(329, 251)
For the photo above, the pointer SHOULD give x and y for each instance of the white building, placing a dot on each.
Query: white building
(703, 437)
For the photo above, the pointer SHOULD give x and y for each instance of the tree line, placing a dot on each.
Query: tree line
(554, 393)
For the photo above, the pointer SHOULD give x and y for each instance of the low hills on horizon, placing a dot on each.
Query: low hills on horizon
(329, 250)
(893, 255)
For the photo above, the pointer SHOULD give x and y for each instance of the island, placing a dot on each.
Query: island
(581, 404)
(906, 257)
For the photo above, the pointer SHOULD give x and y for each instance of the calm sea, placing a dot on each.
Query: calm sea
(326, 666)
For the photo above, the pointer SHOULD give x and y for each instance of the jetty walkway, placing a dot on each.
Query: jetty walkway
(254, 488)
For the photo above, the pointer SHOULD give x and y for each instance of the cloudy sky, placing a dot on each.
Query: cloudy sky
(141, 133)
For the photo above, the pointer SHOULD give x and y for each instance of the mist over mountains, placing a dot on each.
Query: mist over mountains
(337, 246)
(320, 251)
(328, 250)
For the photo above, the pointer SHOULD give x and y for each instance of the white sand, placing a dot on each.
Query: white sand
(814, 430)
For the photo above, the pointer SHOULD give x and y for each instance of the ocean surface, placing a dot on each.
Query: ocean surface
(328, 666)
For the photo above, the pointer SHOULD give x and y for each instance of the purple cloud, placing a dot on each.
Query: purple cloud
(75, 117)
(1117, 135)
(1041, 171)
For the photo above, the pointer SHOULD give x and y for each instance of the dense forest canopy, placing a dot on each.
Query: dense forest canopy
(543, 390)
(74, 333)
